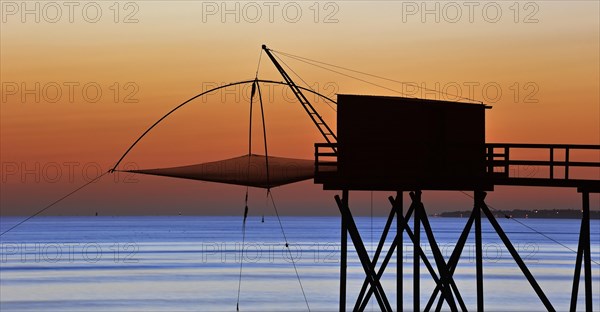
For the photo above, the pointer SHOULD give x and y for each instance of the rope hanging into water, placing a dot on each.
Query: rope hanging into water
(252, 93)
(237, 306)
(269, 194)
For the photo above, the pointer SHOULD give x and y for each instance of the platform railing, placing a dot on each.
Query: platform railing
(325, 158)
(500, 157)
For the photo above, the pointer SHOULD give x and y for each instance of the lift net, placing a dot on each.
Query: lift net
(248, 170)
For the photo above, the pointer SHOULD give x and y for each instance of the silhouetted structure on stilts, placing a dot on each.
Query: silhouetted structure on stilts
(410, 145)
(402, 144)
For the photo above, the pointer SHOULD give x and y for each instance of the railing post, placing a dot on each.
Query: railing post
(506, 160)
(552, 163)
(316, 159)
(490, 158)
(566, 163)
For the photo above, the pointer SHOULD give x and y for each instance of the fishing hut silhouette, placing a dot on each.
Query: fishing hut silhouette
(405, 144)
(410, 145)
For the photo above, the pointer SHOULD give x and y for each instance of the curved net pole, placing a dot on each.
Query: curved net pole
(262, 113)
(197, 96)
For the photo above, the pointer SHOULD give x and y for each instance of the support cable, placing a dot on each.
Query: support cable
(312, 62)
(307, 85)
(55, 202)
(532, 229)
(352, 77)
(287, 247)
(258, 66)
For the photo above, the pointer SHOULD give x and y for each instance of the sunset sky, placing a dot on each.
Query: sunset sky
(146, 57)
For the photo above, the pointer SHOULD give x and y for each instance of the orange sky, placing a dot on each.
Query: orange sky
(543, 56)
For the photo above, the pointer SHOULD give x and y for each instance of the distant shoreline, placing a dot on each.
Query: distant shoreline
(525, 214)
(520, 214)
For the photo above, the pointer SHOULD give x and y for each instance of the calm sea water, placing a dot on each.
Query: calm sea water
(193, 264)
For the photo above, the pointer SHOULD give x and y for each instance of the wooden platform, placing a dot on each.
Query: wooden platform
(557, 167)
